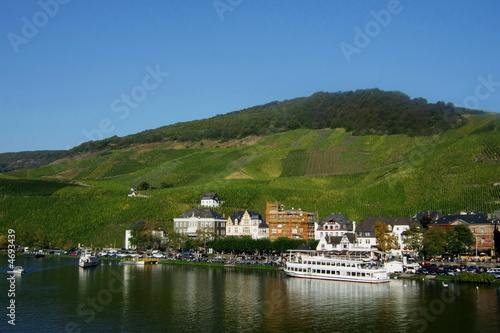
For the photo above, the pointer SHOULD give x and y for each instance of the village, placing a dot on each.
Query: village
(403, 236)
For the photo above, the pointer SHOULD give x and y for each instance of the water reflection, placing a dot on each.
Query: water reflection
(169, 298)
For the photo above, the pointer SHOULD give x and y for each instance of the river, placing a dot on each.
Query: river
(55, 295)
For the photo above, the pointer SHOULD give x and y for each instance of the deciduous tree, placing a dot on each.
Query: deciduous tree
(434, 242)
(414, 237)
(386, 241)
(459, 239)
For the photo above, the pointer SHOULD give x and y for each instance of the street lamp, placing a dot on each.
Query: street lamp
(476, 247)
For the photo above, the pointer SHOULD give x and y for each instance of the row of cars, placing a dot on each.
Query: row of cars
(194, 257)
(453, 270)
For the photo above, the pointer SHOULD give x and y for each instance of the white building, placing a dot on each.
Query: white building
(210, 199)
(198, 222)
(246, 223)
(333, 225)
(128, 235)
(365, 232)
(346, 242)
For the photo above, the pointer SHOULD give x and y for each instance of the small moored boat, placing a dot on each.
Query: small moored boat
(88, 260)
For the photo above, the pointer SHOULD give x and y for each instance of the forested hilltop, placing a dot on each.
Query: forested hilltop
(28, 159)
(327, 153)
(361, 112)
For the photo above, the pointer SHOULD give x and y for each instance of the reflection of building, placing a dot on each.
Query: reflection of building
(482, 229)
(246, 223)
(198, 222)
(294, 223)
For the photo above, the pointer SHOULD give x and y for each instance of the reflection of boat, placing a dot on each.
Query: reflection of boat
(16, 270)
(318, 265)
(88, 260)
(140, 261)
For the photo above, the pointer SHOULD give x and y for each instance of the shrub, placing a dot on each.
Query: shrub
(475, 278)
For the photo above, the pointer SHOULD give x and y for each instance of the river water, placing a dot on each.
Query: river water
(55, 295)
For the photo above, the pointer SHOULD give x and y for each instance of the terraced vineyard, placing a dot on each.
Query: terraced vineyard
(84, 199)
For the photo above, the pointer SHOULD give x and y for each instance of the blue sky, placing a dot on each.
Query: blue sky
(71, 71)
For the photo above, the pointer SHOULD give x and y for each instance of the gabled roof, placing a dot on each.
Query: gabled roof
(201, 213)
(341, 219)
(263, 225)
(210, 196)
(432, 214)
(469, 219)
(335, 240)
(350, 236)
(253, 214)
(368, 224)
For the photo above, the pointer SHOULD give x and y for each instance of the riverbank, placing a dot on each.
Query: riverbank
(444, 278)
(221, 265)
(183, 262)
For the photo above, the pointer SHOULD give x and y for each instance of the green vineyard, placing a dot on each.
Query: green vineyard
(84, 198)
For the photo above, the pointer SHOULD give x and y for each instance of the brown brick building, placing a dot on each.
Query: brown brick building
(482, 228)
(294, 223)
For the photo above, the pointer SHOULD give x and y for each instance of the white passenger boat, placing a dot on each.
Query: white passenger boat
(321, 265)
(87, 259)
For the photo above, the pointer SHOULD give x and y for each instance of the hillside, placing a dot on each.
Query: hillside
(362, 112)
(83, 199)
(28, 159)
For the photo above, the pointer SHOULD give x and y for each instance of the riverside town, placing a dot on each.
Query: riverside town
(301, 243)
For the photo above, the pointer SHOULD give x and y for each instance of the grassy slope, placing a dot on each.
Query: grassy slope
(317, 170)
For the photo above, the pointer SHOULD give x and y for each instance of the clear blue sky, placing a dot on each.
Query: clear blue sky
(74, 70)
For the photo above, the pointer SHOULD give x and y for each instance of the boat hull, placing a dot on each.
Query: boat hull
(88, 261)
(88, 264)
(320, 276)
